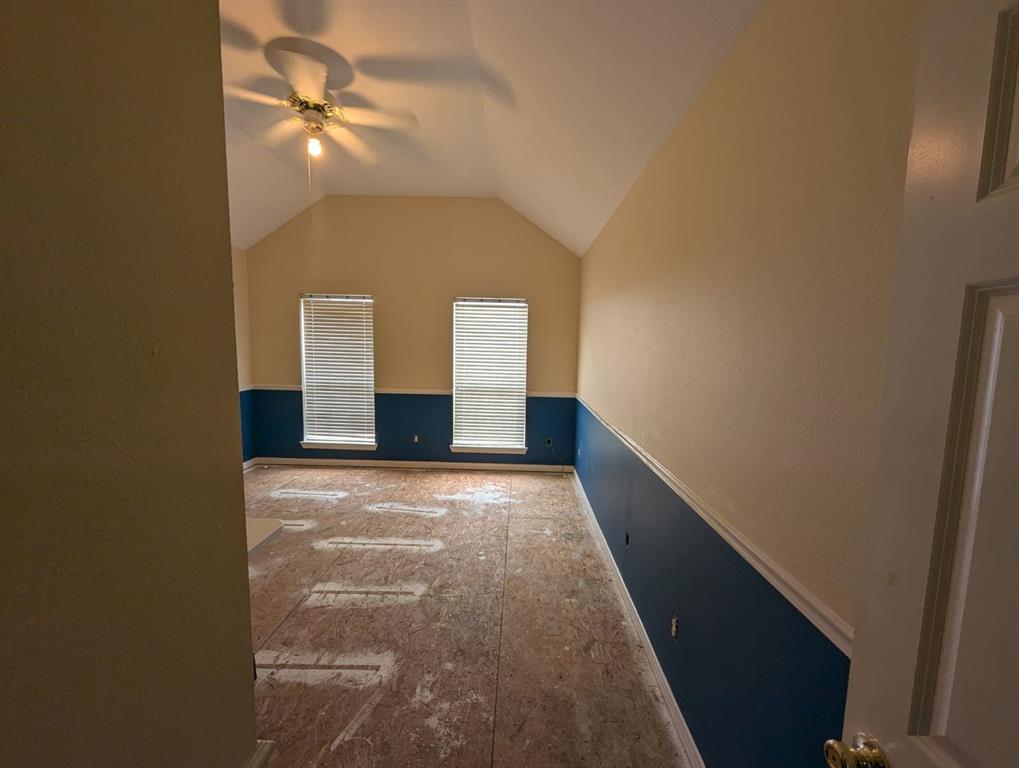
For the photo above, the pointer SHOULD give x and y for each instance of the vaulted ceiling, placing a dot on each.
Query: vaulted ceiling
(554, 106)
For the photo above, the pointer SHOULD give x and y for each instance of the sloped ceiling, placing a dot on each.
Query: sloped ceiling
(554, 106)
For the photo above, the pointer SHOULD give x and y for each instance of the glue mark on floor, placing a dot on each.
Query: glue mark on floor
(354, 670)
(298, 493)
(299, 525)
(334, 594)
(488, 494)
(406, 509)
(427, 546)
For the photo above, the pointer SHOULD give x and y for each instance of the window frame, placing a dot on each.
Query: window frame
(338, 444)
(477, 448)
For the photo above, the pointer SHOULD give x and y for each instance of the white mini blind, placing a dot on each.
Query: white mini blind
(489, 374)
(338, 370)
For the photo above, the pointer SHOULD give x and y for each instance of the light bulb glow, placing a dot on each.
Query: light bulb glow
(314, 146)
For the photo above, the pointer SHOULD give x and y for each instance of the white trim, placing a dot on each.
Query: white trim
(486, 449)
(834, 627)
(319, 445)
(686, 739)
(246, 465)
(402, 390)
(393, 464)
(246, 388)
(260, 757)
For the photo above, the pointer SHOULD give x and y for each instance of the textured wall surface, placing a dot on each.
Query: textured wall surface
(415, 255)
(734, 309)
(124, 605)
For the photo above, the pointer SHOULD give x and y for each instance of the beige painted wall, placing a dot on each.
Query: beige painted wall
(734, 309)
(124, 598)
(415, 255)
(242, 321)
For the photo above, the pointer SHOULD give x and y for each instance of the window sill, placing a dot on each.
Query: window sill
(486, 449)
(314, 444)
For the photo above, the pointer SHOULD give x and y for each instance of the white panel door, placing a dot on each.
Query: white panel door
(935, 669)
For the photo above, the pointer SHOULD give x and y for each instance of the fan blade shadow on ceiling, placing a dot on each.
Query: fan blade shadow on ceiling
(306, 17)
(390, 143)
(347, 98)
(236, 35)
(339, 73)
(438, 70)
(272, 86)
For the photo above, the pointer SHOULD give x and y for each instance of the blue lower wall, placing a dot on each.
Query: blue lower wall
(758, 684)
(248, 424)
(272, 426)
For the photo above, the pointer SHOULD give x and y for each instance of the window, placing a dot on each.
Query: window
(338, 372)
(489, 375)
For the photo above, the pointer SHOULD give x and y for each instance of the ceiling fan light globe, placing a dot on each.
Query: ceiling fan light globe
(314, 146)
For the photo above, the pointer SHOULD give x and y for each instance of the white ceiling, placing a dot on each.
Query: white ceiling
(554, 106)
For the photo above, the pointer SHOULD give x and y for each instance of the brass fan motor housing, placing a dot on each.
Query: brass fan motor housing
(323, 110)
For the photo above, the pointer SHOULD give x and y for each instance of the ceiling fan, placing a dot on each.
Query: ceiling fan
(318, 111)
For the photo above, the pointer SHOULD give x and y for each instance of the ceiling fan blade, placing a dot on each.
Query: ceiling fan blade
(280, 131)
(352, 143)
(307, 76)
(419, 69)
(246, 94)
(379, 118)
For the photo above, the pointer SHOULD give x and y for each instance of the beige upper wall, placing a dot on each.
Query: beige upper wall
(734, 309)
(415, 255)
(124, 605)
(242, 321)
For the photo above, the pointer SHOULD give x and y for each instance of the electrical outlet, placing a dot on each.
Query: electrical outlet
(548, 441)
(674, 627)
(417, 438)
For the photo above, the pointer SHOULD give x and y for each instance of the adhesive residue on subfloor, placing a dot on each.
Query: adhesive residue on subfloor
(354, 670)
(485, 496)
(332, 594)
(299, 493)
(299, 525)
(426, 546)
(406, 509)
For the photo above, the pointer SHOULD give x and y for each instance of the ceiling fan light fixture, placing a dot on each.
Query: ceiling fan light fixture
(314, 146)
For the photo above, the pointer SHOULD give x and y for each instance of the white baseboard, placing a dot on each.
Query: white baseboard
(260, 757)
(683, 734)
(391, 464)
(248, 464)
(831, 625)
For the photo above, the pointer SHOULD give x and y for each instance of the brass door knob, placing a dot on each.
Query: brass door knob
(865, 752)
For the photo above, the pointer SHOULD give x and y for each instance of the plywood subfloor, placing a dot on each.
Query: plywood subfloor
(424, 618)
